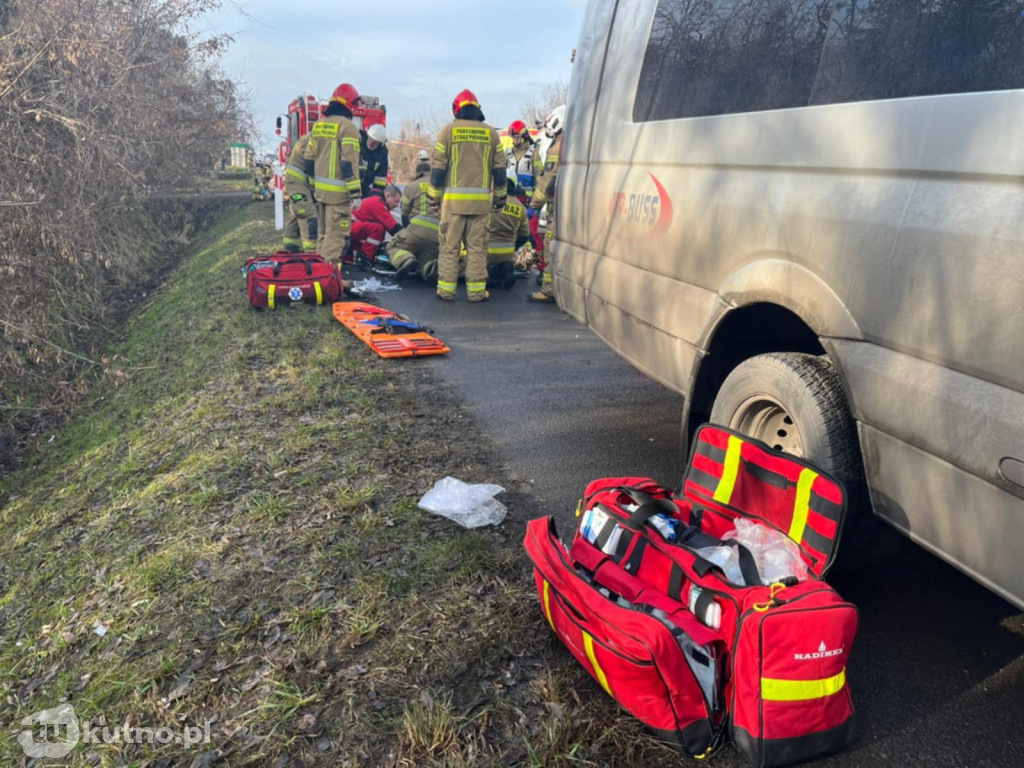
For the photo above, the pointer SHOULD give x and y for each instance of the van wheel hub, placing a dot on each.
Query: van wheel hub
(763, 417)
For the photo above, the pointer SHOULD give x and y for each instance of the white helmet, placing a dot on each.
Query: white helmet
(378, 133)
(555, 122)
(424, 156)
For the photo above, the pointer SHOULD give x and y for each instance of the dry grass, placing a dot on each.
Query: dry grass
(236, 514)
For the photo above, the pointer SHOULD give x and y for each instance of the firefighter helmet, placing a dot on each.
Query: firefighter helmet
(555, 122)
(424, 156)
(518, 128)
(346, 95)
(463, 98)
(378, 133)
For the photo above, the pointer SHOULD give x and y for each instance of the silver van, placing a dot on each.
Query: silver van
(808, 219)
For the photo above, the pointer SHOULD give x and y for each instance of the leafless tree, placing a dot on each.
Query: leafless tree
(103, 103)
(536, 111)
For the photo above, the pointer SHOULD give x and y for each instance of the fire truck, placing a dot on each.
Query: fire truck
(305, 110)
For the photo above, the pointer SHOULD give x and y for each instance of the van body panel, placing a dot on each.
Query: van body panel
(956, 515)
(970, 422)
(892, 229)
(775, 280)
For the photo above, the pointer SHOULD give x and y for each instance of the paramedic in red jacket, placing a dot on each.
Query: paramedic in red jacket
(372, 219)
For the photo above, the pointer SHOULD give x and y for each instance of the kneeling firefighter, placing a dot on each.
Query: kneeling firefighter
(416, 246)
(508, 230)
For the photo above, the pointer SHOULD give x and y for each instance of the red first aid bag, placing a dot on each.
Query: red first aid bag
(656, 573)
(285, 278)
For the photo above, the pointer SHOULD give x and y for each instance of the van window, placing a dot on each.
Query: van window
(712, 57)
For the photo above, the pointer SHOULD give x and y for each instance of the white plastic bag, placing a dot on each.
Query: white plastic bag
(726, 558)
(373, 285)
(777, 556)
(468, 505)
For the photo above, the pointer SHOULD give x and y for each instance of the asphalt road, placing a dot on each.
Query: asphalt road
(937, 672)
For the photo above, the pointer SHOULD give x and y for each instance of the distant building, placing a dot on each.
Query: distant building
(240, 155)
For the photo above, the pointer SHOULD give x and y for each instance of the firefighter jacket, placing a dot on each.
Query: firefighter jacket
(373, 166)
(374, 209)
(415, 202)
(545, 191)
(334, 148)
(466, 161)
(520, 167)
(298, 173)
(508, 229)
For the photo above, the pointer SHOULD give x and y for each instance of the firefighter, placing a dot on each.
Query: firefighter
(300, 225)
(416, 246)
(466, 159)
(373, 158)
(414, 196)
(520, 160)
(508, 230)
(372, 219)
(334, 148)
(545, 193)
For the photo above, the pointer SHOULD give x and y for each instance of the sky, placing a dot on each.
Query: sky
(414, 56)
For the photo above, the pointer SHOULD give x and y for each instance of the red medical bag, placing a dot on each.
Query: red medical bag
(285, 278)
(693, 648)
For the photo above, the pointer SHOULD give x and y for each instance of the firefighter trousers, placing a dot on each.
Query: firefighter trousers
(417, 242)
(457, 228)
(335, 228)
(300, 228)
(547, 285)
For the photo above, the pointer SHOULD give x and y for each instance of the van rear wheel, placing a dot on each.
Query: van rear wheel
(795, 403)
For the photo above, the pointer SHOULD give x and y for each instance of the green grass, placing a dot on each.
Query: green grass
(222, 533)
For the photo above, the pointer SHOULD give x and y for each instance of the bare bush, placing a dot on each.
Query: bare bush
(103, 103)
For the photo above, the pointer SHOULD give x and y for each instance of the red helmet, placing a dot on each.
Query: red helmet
(463, 98)
(346, 95)
(518, 128)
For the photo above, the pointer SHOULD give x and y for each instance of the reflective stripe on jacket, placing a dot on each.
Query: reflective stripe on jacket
(468, 152)
(297, 178)
(373, 166)
(334, 148)
(506, 226)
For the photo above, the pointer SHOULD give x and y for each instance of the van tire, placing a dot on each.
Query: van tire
(795, 402)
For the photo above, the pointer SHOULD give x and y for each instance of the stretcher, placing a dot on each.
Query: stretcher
(388, 333)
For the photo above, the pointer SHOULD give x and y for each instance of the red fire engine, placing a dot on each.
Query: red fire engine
(306, 110)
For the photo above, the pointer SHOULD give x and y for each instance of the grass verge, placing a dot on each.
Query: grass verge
(226, 538)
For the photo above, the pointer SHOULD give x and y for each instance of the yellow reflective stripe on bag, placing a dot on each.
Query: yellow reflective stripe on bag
(271, 289)
(319, 293)
(730, 469)
(588, 646)
(547, 603)
(801, 690)
(802, 505)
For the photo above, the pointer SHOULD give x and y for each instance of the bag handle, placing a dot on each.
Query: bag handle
(293, 260)
(648, 507)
